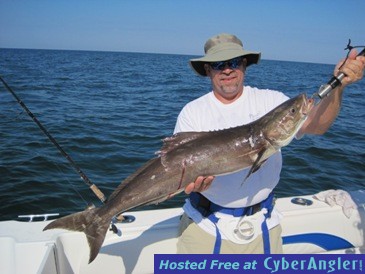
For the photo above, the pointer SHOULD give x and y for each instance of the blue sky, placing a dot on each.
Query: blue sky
(294, 30)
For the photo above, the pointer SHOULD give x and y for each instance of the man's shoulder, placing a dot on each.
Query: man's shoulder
(262, 92)
(200, 101)
(191, 115)
(204, 98)
(262, 95)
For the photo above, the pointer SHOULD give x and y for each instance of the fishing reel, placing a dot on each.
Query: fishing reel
(335, 81)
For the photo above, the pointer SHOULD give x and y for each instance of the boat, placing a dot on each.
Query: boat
(310, 226)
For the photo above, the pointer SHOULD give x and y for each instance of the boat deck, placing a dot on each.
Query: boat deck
(309, 229)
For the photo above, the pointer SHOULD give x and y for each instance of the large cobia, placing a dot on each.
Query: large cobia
(187, 155)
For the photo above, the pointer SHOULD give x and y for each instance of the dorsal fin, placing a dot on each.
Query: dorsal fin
(178, 139)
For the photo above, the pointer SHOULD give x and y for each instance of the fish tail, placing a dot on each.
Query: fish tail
(89, 222)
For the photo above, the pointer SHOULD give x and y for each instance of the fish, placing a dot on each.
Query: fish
(185, 156)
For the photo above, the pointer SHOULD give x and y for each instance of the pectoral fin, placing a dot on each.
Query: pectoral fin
(256, 165)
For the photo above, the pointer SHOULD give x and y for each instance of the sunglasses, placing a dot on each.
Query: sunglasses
(233, 64)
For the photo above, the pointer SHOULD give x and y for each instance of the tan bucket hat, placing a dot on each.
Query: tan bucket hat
(223, 47)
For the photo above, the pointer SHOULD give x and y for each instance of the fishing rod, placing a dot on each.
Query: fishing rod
(335, 81)
(92, 186)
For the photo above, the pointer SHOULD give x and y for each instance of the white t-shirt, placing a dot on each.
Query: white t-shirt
(207, 113)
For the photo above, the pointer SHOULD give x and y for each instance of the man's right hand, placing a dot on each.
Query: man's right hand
(201, 184)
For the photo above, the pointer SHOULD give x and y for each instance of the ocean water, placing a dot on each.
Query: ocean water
(110, 110)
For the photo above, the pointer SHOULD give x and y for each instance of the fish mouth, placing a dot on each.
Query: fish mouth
(308, 105)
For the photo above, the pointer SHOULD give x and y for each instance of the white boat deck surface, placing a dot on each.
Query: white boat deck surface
(25, 248)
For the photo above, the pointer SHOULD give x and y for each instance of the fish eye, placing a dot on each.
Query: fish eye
(293, 110)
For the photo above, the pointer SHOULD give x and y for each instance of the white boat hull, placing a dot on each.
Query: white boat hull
(25, 248)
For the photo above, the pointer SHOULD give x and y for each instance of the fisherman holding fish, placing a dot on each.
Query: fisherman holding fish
(223, 214)
(233, 133)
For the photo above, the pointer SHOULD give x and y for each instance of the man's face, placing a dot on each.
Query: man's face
(227, 78)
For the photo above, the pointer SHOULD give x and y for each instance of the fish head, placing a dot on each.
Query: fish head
(283, 122)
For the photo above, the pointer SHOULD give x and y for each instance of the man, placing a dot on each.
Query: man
(221, 214)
